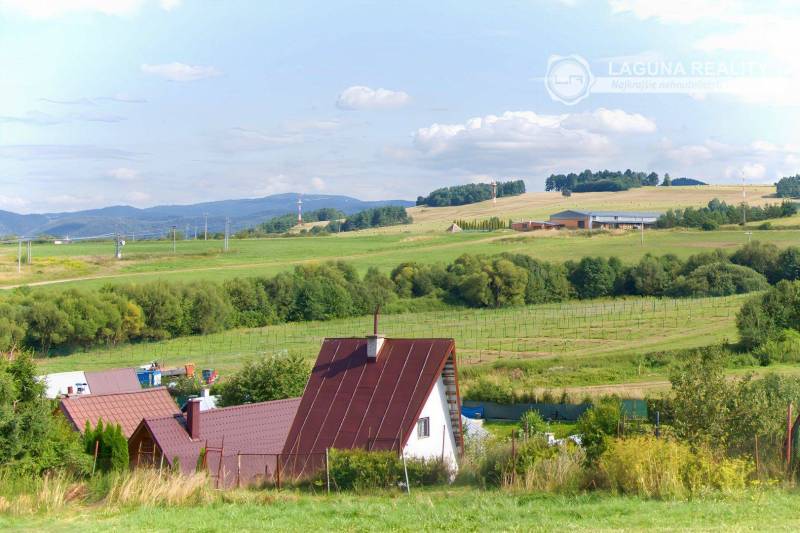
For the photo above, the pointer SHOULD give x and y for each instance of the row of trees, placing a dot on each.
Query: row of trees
(75, 318)
(604, 180)
(470, 193)
(718, 212)
(487, 224)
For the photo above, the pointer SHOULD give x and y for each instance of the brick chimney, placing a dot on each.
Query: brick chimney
(193, 418)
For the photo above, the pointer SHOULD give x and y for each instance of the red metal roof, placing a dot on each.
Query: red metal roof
(350, 402)
(113, 381)
(258, 428)
(126, 409)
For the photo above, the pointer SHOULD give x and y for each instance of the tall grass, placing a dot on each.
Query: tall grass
(148, 487)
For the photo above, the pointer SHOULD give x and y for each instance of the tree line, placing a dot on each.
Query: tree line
(80, 318)
(604, 180)
(487, 224)
(374, 217)
(718, 212)
(470, 193)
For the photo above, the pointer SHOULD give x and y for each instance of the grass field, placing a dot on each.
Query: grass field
(453, 509)
(92, 264)
(574, 344)
(86, 265)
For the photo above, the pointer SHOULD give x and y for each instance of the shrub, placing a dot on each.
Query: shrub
(532, 423)
(597, 424)
(660, 468)
(719, 279)
(783, 349)
(112, 446)
(363, 470)
(275, 377)
(490, 391)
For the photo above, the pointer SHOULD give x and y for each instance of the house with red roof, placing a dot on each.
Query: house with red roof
(126, 408)
(241, 443)
(376, 393)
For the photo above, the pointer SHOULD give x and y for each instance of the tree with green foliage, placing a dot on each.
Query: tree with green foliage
(597, 424)
(32, 440)
(274, 377)
(789, 187)
(470, 193)
(593, 277)
(667, 181)
(110, 444)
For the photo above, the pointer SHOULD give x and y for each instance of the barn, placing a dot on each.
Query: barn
(574, 219)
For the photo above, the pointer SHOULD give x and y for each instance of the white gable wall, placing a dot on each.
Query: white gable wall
(436, 409)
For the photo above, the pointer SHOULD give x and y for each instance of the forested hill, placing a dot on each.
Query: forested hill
(470, 193)
(604, 180)
(243, 213)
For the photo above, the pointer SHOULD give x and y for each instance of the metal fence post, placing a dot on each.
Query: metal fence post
(327, 471)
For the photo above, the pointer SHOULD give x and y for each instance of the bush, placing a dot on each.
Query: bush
(276, 377)
(597, 424)
(659, 468)
(361, 470)
(783, 349)
(489, 391)
(112, 446)
(532, 423)
(719, 279)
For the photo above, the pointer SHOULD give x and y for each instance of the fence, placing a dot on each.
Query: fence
(243, 469)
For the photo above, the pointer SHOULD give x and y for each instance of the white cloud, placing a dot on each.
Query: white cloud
(610, 121)
(527, 141)
(676, 11)
(123, 173)
(181, 71)
(42, 9)
(247, 140)
(759, 161)
(360, 97)
(318, 184)
(12, 202)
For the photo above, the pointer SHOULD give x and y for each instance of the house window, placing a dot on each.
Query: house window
(423, 427)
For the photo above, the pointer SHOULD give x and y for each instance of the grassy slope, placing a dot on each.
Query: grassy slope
(440, 510)
(575, 344)
(423, 241)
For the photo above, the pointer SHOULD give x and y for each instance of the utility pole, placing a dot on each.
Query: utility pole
(744, 203)
(299, 209)
(227, 232)
(642, 232)
(749, 235)
(118, 242)
(205, 231)
(494, 192)
(19, 257)
(174, 232)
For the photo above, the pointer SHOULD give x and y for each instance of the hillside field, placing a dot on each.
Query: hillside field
(592, 347)
(92, 263)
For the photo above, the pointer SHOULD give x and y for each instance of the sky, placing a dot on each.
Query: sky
(149, 102)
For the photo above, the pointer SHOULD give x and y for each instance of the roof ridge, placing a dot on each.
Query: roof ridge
(81, 396)
(243, 405)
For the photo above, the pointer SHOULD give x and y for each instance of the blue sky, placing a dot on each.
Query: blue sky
(145, 102)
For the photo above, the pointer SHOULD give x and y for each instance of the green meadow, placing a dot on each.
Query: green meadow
(454, 509)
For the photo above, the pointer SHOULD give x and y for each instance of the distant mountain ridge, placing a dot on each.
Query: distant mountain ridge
(243, 213)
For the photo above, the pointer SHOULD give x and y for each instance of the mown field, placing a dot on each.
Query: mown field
(454, 509)
(599, 344)
(92, 263)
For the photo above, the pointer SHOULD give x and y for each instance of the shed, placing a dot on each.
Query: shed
(126, 409)
(454, 228)
(248, 438)
(379, 394)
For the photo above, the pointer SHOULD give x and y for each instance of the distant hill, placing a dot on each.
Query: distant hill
(685, 182)
(243, 213)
